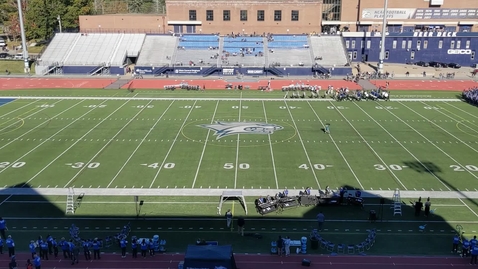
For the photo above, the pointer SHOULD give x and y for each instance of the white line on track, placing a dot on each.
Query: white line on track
(172, 145)
(204, 147)
(237, 145)
(107, 143)
(270, 146)
(337, 147)
(139, 145)
(10, 112)
(443, 129)
(19, 119)
(424, 166)
(370, 147)
(303, 146)
(464, 111)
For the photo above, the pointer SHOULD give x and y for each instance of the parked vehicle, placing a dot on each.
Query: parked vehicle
(421, 63)
(454, 65)
(3, 55)
(438, 64)
(18, 56)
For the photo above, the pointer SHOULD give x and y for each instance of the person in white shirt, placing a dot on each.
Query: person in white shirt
(287, 246)
(228, 218)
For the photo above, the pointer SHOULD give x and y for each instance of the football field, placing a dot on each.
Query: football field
(244, 141)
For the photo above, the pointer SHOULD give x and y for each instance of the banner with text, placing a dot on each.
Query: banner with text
(392, 13)
(421, 13)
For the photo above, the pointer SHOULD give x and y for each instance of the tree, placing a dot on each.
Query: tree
(75, 9)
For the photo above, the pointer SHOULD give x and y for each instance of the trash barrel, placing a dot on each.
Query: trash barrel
(314, 243)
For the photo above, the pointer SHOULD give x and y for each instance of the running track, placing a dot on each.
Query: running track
(166, 261)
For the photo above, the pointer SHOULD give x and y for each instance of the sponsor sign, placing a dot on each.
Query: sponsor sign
(143, 70)
(187, 71)
(434, 34)
(458, 51)
(446, 13)
(228, 71)
(223, 129)
(255, 72)
(392, 13)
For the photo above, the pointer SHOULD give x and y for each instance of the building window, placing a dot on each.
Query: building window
(419, 43)
(361, 44)
(353, 44)
(209, 15)
(331, 10)
(458, 44)
(394, 44)
(294, 16)
(467, 44)
(355, 55)
(192, 15)
(243, 15)
(226, 15)
(277, 15)
(452, 44)
(347, 44)
(409, 45)
(440, 44)
(412, 55)
(260, 15)
(425, 44)
(387, 54)
(368, 44)
(472, 55)
(404, 44)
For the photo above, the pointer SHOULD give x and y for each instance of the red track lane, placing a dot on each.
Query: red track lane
(52, 83)
(164, 261)
(445, 85)
(220, 84)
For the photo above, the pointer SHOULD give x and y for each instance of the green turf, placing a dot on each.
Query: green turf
(427, 145)
(14, 66)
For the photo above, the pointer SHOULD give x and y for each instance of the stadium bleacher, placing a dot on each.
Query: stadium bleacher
(93, 49)
(59, 48)
(157, 50)
(197, 50)
(129, 45)
(330, 49)
(289, 50)
(243, 51)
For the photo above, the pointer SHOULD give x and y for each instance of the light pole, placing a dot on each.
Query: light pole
(24, 39)
(59, 22)
(384, 34)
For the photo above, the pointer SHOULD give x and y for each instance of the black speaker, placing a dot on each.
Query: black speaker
(305, 262)
(382, 201)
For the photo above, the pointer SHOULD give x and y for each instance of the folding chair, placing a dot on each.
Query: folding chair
(330, 247)
(323, 243)
(360, 247)
(340, 248)
(368, 244)
(350, 249)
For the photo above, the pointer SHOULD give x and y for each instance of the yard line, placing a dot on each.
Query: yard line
(237, 145)
(270, 146)
(19, 119)
(423, 165)
(370, 147)
(107, 143)
(139, 145)
(464, 111)
(205, 144)
(458, 116)
(6, 114)
(303, 146)
(172, 145)
(31, 130)
(338, 149)
(46, 140)
(439, 127)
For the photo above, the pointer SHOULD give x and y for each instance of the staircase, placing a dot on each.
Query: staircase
(159, 71)
(266, 51)
(320, 69)
(397, 203)
(274, 71)
(211, 70)
(56, 69)
(102, 69)
(117, 84)
(70, 201)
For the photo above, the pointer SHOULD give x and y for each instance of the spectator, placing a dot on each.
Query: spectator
(96, 249)
(11, 246)
(427, 207)
(144, 248)
(54, 244)
(3, 224)
(1, 245)
(280, 245)
(134, 247)
(465, 248)
(240, 226)
(29, 264)
(13, 263)
(74, 254)
(320, 220)
(287, 246)
(86, 250)
(37, 262)
(32, 248)
(456, 242)
(123, 244)
(228, 218)
(474, 255)
(418, 207)
(470, 95)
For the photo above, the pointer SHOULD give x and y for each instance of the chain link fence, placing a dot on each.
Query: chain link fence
(103, 7)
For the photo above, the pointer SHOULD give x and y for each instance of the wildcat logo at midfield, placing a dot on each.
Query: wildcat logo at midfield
(235, 128)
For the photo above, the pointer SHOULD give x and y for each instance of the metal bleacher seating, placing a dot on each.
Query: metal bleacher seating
(93, 49)
(129, 45)
(243, 51)
(197, 50)
(289, 50)
(330, 48)
(58, 48)
(157, 50)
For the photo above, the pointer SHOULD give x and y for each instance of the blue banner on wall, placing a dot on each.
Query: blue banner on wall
(187, 71)
(144, 70)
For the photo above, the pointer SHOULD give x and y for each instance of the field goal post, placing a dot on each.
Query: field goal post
(231, 195)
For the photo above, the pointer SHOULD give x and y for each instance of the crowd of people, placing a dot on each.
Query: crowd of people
(471, 95)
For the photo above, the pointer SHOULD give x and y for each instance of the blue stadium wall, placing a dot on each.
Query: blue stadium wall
(232, 71)
(412, 47)
(85, 70)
